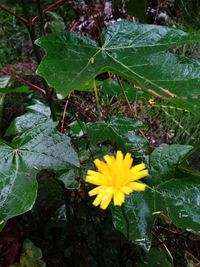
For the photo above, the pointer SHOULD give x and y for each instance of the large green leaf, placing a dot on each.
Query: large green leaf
(155, 258)
(134, 220)
(169, 191)
(164, 160)
(179, 198)
(137, 52)
(118, 130)
(35, 149)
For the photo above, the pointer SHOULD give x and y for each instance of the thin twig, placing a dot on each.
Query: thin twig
(36, 18)
(64, 112)
(96, 97)
(23, 81)
(166, 248)
(129, 105)
(125, 96)
(23, 20)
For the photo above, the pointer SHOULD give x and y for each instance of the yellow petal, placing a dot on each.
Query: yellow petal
(118, 198)
(128, 161)
(95, 180)
(119, 157)
(138, 168)
(98, 199)
(95, 191)
(137, 186)
(139, 175)
(126, 189)
(101, 166)
(105, 201)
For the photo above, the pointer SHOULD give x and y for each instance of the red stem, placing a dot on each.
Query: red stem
(23, 20)
(35, 19)
(64, 112)
(23, 81)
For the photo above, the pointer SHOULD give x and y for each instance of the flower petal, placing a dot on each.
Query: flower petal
(98, 198)
(128, 161)
(118, 198)
(105, 201)
(139, 175)
(138, 168)
(137, 186)
(95, 180)
(126, 190)
(95, 191)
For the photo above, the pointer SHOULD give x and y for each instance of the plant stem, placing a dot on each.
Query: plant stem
(125, 96)
(31, 30)
(2, 97)
(23, 20)
(64, 112)
(127, 222)
(23, 81)
(96, 97)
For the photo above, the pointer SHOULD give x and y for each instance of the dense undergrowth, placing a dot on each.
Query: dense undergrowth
(85, 87)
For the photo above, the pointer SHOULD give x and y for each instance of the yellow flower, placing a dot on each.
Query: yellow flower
(115, 178)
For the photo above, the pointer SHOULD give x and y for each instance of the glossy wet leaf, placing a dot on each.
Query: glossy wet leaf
(35, 149)
(155, 258)
(22, 89)
(117, 130)
(179, 199)
(136, 52)
(112, 88)
(4, 80)
(69, 179)
(134, 220)
(37, 114)
(164, 161)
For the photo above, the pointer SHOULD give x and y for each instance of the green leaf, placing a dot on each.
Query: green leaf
(56, 24)
(113, 89)
(37, 114)
(164, 160)
(31, 256)
(136, 52)
(4, 80)
(137, 9)
(134, 220)
(117, 129)
(21, 89)
(35, 149)
(166, 193)
(69, 179)
(155, 258)
(179, 198)
(18, 186)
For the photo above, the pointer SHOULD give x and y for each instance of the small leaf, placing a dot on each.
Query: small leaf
(38, 114)
(69, 179)
(155, 258)
(31, 256)
(22, 89)
(117, 130)
(4, 80)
